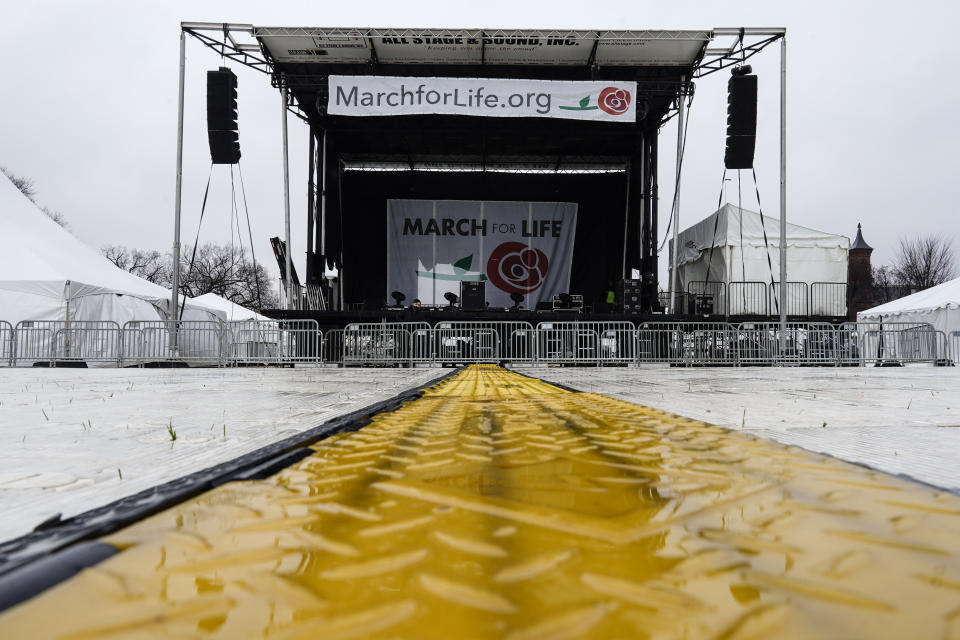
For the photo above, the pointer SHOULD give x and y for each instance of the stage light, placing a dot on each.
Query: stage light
(742, 70)
(517, 299)
(566, 300)
(451, 297)
(398, 298)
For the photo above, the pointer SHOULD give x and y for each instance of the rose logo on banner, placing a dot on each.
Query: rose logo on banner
(614, 101)
(516, 268)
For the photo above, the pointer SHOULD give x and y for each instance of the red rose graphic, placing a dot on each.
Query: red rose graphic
(614, 101)
(515, 268)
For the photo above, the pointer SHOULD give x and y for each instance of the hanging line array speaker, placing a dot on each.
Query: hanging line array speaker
(741, 119)
(222, 116)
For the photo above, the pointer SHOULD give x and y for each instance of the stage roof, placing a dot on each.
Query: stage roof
(702, 51)
(663, 63)
(550, 47)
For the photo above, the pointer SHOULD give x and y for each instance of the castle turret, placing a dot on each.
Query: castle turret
(859, 276)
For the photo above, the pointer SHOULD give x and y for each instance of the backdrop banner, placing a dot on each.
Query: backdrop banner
(516, 247)
(607, 100)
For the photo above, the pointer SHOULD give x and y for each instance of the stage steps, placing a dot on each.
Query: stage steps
(498, 505)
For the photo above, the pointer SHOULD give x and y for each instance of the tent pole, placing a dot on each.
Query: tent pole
(175, 293)
(676, 207)
(783, 191)
(286, 195)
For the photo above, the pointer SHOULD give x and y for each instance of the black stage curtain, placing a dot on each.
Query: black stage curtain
(598, 249)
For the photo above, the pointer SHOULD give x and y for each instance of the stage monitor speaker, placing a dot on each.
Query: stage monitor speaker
(222, 116)
(741, 121)
(473, 295)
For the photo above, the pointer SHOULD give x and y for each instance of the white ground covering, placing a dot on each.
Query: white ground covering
(67, 435)
(899, 420)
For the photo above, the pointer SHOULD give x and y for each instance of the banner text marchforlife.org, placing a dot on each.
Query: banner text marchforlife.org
(478, 98)
(605, 100)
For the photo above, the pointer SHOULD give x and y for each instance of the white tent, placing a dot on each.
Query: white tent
(939, 306)
(46, 273)
(232, 311)
(741, 253)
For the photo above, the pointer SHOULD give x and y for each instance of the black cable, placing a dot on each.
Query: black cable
(716, 224)
(196, 241)
(253, 254)
(676, 185)
(743, 268)
(766, 242)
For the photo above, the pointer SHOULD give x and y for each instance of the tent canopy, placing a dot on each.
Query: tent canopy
(43, 267)
(939, 306)
(232, 311)
(742, 240)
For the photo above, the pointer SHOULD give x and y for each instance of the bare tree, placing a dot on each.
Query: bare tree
(148, 264)
(219, 269)
(229, 273)
(23, 183)
(29, 189)
(923, 262)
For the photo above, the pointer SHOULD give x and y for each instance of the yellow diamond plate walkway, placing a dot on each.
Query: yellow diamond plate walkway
(501, 506)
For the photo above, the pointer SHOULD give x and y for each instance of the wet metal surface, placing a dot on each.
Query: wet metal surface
(501, 506)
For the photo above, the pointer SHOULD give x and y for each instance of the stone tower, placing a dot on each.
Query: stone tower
(859, 277)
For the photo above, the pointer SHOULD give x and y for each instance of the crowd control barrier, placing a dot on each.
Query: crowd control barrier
(53, 341)
(197, 342)
(686, 343)
(7, 344)
(892, 347)
(274, 342)
(595, 343)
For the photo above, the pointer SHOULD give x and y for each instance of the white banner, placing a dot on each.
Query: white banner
(505, 98)
(515, 247)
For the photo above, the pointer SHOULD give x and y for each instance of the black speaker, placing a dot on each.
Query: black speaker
(473, 295)
(222, 116)
(741, 121)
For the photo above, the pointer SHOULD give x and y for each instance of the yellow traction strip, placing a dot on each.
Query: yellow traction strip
(501, 506)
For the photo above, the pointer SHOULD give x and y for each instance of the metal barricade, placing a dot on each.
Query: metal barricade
(586, 342)
(828, 299)
(7, 344)
(333, 347)
(799, 343)
(709, 298)
(493, 341)
(953, 346)
(748, 298)
(380, 343)
(275, 342)
(686, 343)
(55, 341)
(893, 347)
(199, 342)
(797, 299)
(850, 337)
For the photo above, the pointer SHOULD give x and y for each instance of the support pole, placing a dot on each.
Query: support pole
(323, 202)
(311, 207)
(286, 195)
(626, 224)
(175, 293)
(783, 191)
(676, 208)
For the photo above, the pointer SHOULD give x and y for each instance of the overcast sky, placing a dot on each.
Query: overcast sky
(89, 111)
